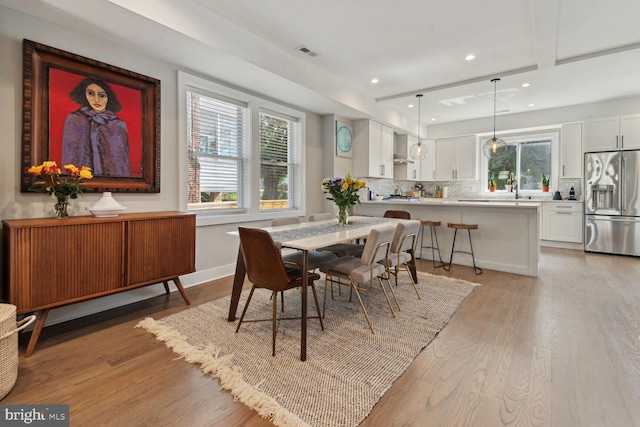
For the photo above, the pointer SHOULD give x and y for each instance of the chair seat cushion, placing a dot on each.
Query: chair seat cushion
(397, 259)
(349, 265)
(314, 259)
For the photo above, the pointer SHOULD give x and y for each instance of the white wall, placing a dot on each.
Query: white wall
(216, 251)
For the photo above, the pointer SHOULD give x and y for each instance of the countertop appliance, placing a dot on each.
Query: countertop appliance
(612, 202)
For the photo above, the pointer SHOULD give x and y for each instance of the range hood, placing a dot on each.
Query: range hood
(399, 160)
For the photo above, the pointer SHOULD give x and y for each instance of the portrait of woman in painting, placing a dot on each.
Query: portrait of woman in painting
(93, 135)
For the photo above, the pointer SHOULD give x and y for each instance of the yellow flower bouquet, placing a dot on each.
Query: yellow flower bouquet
(61, 187)
(344, 193)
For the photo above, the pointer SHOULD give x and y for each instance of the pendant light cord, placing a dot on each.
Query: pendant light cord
(419, 96)
(495, 83)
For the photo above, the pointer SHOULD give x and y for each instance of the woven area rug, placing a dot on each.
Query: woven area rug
(348, 369)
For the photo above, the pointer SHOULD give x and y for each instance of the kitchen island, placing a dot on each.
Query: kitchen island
(507, 238)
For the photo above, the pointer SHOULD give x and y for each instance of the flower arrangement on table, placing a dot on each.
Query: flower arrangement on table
(344, 193)
(58, 186)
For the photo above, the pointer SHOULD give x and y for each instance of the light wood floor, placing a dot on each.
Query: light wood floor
(559, 350)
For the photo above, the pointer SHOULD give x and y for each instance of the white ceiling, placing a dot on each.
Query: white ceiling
(570, 51)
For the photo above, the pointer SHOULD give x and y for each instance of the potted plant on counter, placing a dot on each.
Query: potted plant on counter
(492, 184)
(545, 183)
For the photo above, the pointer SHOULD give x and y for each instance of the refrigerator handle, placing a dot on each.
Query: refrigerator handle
(617, 146)
(622, 188)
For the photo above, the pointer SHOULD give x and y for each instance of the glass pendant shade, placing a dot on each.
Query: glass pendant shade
(418, 151)
(494, 147)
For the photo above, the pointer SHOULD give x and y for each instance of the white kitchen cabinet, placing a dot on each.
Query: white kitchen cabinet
(409, 169)
(562, 221)
(456, 158)
(428, 164)
(612, 133)
(571, 150)
(373, 150)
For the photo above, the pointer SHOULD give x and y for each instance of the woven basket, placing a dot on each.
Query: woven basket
(9, 346)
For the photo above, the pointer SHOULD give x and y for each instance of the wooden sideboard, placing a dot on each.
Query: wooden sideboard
(49, 262)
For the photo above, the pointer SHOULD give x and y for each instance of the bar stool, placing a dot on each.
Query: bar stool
(434, 247)
(468, 227)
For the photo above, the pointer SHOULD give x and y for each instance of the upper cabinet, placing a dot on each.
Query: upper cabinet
(571, 150)
(373, 149)
(612, 133)
(428, 164)
(456, 158)
(407, 169)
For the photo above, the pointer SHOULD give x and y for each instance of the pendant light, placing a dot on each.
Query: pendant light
(418, 151)
(494, 147)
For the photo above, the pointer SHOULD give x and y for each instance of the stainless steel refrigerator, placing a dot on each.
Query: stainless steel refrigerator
(612, 202)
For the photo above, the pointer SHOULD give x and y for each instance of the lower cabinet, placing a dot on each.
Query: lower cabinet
(562, 221)
(48, 263)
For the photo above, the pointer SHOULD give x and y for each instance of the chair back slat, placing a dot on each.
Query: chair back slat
(285, 221)
(320, 217)
(400, 214)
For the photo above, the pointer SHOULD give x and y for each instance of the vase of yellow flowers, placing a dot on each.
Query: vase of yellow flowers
(344, 193)
(60, 187)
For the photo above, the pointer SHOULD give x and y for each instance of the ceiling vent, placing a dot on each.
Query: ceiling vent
(307, 51)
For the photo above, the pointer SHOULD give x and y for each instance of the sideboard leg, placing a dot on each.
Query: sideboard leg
(176, 280)
(35, 334)
(166, 286)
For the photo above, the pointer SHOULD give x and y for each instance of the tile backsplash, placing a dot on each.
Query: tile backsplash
(463, 189)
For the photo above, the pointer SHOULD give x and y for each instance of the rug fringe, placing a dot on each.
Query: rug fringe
(222, 368)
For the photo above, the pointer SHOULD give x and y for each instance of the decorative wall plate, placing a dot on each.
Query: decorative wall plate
(344, 140)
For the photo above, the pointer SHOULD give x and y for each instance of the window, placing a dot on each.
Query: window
(243, 154)
(278, 135)
(216, 151)
(525, 160)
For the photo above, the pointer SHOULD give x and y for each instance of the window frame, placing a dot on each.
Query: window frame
(256, 104)
(511, 137)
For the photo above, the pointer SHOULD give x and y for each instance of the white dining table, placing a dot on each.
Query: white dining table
(307, 236)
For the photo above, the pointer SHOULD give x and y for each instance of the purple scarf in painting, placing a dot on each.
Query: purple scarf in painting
(97, 140)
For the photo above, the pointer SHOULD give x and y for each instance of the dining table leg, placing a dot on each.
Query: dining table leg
(303, 321)
(238, 282)
(412, 266)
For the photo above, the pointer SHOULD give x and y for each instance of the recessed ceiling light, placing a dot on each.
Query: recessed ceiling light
(410, 105)
(374, 80)
(470, 57)
(526, 84)
(433, 119)
(531, 105)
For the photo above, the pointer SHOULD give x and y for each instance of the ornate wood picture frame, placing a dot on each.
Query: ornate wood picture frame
(81, 111)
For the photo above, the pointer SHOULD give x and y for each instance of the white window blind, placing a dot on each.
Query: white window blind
(278, 160)
(218, 135)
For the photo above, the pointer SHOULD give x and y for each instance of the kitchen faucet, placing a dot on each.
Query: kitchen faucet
(515, 186)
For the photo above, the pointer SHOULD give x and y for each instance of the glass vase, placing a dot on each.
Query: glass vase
(342, 216)
(61, 209)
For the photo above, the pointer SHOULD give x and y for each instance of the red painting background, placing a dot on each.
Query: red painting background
(61, 83)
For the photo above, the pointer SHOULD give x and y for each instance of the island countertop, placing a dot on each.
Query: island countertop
(507, 238)
(526, 203)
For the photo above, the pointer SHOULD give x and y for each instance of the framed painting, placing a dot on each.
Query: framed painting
(344, 140)
(84, 112)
